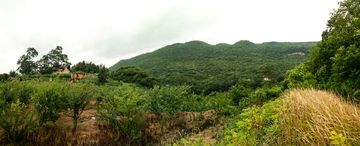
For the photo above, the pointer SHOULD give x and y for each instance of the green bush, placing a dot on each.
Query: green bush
(255, 125)
(10, 92)
(124, 112)
(77, 97)
(4, 77)
(133, 74)
(239, 92)
(49, 100)
(274, 92)
(220, 102)
(167, 99)
(17, 119)
(92, 80)
(112, 82)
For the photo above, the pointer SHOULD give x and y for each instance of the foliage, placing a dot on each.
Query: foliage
(86, 67)
(240, 91)
(209, 68)
(267, 70)
(171, 99)
(77, 97)
(12, 73)
(333, 60)
(112, 82)
(92, 80)
(47, 70)
(338, 139)
(167, 99)
(55, 58)
(300, 117)
(256, 125)
(47, 76)
(17, 119)
(4, 77)
(49, 101)
(220, 102)
(133, 74)
(196, 142)
(124, 112)
(102, 75)
(10, 92)
(27, 65)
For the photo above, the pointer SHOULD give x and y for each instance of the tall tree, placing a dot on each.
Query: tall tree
(27, 65)
(102, 75)
(86, 67)
(133, 74)
(55, 58)
(334, 60)
(267, 70)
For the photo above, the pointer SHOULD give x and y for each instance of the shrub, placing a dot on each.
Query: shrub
(273, 92)
(255, 125)
(133, 74)
(77, 97)
(11, 91)
(167, 99)
(124, 113)
(49, 100)
(102, 75)
(239, 92)
(112, 82)
(92, 80)
(220, 102)
(17, 119)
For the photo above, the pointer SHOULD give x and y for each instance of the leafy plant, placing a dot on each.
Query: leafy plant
(11, 91)
(124, 113)
(17, 119)
(337, 139)
(49, 101)
(77, 97)
(102, 75)
(256, 125)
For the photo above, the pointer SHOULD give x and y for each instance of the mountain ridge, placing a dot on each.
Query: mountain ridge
(197, 61)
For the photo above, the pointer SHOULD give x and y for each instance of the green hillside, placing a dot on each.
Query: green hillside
(216, 67)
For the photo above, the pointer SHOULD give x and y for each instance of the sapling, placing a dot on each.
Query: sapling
(78, 96)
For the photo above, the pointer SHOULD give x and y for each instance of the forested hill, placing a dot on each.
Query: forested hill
(199, 63)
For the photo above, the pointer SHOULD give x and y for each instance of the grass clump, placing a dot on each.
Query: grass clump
(315, 117)
(300, 117)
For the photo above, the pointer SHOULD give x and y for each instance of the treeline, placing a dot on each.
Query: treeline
(85, 67)
(54, 59)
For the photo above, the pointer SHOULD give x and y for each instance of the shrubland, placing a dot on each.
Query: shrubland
(121, 108)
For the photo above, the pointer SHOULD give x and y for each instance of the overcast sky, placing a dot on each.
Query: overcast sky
(105, 32)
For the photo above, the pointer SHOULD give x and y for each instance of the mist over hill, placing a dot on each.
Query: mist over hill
(217, 67)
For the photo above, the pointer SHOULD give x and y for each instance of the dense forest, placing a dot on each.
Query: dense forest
(218, 67)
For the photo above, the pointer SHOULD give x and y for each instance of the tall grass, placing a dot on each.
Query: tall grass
(314, 114)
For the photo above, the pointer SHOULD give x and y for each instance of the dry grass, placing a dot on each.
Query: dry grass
(312, 116)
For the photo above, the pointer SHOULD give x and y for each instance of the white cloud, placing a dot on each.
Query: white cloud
(108, 31)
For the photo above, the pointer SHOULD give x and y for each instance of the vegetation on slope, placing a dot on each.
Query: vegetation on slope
(300, 117)
(334, 60)
(217, 67)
